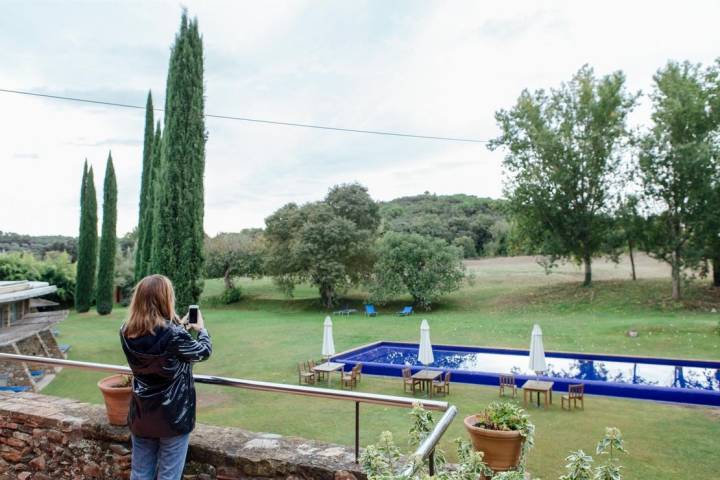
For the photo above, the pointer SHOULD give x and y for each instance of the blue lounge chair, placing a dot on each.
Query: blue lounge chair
(370, 310)
(15, 389)
(405, 312)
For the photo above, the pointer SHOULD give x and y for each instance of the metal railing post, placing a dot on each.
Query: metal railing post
(431, 462)
(427, 447)
(357, 432)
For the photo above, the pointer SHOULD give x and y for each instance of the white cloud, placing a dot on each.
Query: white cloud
(439, 68)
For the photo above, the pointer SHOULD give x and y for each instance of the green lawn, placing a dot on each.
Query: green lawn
(263, 336)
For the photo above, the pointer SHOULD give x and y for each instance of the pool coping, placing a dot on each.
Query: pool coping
(592, 387)
(547, 352)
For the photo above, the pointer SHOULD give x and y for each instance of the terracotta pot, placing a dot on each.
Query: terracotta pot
(117, 399)
(502, 449)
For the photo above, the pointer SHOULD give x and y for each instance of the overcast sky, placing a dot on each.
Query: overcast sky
(432, 68)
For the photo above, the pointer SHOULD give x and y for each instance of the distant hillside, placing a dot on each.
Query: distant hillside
(478, 225)
(38, 245)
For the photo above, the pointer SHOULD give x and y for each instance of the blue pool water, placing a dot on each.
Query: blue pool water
(634, 377)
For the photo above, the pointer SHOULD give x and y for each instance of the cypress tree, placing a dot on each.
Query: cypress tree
(178, 242)
(108, 242)
(141, 254)
(145, 245)
(87, 243)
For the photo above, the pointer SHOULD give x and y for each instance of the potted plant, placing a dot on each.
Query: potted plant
(503, 432)
(116, 390)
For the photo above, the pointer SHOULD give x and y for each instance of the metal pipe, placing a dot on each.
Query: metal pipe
(431, 463)
(357, 432)
(346, 395)
(428, 445)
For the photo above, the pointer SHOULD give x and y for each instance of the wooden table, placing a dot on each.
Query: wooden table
(329, 367)
(345, 311)
(426, 377)
(537, 386)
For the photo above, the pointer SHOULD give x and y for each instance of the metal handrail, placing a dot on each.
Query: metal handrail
(424, 451)
(427, 447)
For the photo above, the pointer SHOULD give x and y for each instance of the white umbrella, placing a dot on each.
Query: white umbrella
(328, 347)
(537, 352)
(425, 354)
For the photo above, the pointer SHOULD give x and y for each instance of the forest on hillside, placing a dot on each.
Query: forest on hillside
(38, 245)
(478, 225)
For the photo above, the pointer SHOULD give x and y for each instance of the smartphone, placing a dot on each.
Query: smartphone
(193, 314)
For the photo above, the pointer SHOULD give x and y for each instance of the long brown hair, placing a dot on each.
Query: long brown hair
(152, 304)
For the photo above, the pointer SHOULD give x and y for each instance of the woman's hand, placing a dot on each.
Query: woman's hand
(194, 326)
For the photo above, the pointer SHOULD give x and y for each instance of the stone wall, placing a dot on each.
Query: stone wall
(50, 344)
(33, 345)
(43, 437)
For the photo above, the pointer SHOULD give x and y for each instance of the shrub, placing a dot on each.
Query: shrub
(231, 295)
(125, 273)
(56, 269)
(467, 245)
(425, 267)
(381, 461)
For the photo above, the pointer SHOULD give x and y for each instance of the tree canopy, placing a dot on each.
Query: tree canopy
(409, 263)
(563, 156)
(144, 230)
(87, 243)
(463, 220)
(108, 243)
(234, 254)
(327, 243)
(678, 165)
(177, 237)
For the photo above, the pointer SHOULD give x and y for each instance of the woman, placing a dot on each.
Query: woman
(160, 352)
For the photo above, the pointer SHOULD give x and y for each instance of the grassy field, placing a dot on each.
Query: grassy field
(264, 335)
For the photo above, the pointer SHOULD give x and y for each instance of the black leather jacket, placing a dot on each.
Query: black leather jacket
(163, 399)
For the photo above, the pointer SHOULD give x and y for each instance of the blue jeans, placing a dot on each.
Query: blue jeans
(158, 458)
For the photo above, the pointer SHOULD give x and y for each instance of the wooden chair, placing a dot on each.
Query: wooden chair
(575, 393)
(408, 380)
(358, 371)
(306, 376)
(442, 386)
(508, 381)
(349, 379)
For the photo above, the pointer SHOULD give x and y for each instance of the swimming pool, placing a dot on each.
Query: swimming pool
(663, 379)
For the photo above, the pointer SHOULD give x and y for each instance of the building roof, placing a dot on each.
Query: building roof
(21, 290)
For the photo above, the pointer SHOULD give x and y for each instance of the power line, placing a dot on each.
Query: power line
(253, 120)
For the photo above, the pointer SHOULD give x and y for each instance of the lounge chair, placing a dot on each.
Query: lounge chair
(508, 381)
(349, 379)
(575, 393)
(305, 376)
(370, 310)
(408, 380)
(346, 310)
(405, 311)
(442, 386)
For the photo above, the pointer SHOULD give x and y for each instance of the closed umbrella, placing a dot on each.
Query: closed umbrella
(328, 346)
(425, 354)
(537, 352)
